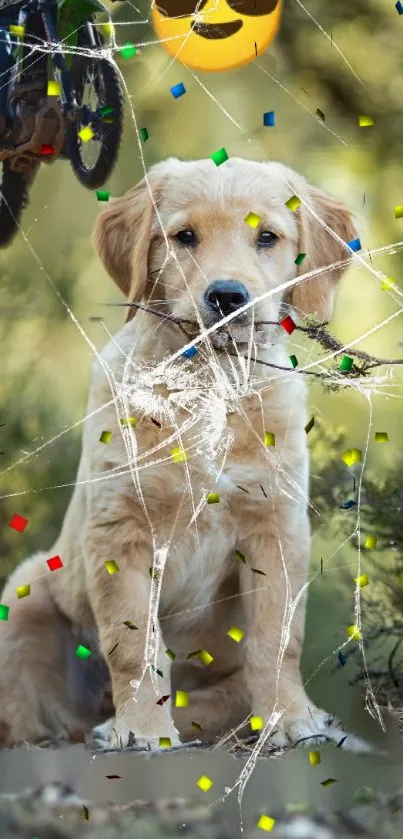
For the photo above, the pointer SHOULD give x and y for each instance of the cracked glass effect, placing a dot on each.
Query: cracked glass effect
(136, 388)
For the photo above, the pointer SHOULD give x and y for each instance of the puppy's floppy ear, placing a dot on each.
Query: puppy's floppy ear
(315, 295)
(122, 236)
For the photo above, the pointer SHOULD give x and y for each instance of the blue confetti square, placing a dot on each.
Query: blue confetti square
(190, 352)
(178, 90)
(399, 8)
(354, 245)
(269, 119)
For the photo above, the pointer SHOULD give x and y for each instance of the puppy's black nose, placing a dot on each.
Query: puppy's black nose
(226, 296)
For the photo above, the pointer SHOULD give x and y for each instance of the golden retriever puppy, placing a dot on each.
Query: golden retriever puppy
(204, 477)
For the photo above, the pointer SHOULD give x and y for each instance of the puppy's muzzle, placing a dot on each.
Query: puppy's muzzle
(223, 297)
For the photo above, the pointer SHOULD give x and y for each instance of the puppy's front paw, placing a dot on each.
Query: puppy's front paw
(312, 727)
(120, 733)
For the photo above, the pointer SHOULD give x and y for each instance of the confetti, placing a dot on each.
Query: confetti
(353, 632)
(113, 649)
(370, 542)
(348, 504)
(240, 556)
(362, 580)
(144, 135)
(328, 782)
(219, 157)
(54, 563)
(181, 699)
(165, 743)
(23, 591)
(294, 360)
(113, 777)
(85, 813)
(154, 573)
(130, 625)
(352, 456)
(4, 610)
(54, 88)
(128, 421)
(341, 659)
(269, 119)
(163, 699)
(18, 523)
(190, 352)
(399, 7)
(46, 148)
(256, 723)
(300, 258)
(309, 426)
(346, 363)
(204, 783)
(293, 203)
(102, 195)
(18, 31)
(178, 90)
(314, 758)
(157, 671)
(178, 455)
(399, 212)
(354, 245)
(364, 122)
(343, 740)
(236, 634)
(288, 324)
(212, 498)
(105, 437)
(128, 51)
(266, 823)
(170, 654)
(86, 134)
(202, 655)
(257, 571)
(381, 437)
(108, 29)
(253, 220)
(269, 438)
(196, 725)
(320, 114)
(111, 566)
(387, 284)
(106, 111)
(83, 652)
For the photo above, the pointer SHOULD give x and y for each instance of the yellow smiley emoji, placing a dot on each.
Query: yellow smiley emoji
(216, 34)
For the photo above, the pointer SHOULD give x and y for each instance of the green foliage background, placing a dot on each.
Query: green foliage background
(46, 359)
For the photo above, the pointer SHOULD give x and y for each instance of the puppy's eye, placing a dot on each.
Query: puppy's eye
(266, 239)
(186, 237)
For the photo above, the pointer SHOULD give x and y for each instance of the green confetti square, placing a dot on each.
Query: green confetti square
(4, 610)
(102, 195)
(219, 157)
(128, 51)
(143, 134)
(106, 112)
(346, 363)
(83, 652)
(300, 258)
(294, 360)
(105, 437)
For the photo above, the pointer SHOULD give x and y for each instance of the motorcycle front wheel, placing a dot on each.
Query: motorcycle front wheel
(14, 196)
(93, 159)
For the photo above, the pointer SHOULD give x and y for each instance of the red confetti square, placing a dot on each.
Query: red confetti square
(46, 148)
(54, 563)
(163, 700)
(18, 523)
(288, 324)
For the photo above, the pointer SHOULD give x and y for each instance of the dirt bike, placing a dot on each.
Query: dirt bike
(58, 66)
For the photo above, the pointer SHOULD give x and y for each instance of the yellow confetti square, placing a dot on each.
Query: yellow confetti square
(205, 657)
(370, 542)
(363, 122)
(399, 211)
(269, 438)
(128, 421)
(236, 634)
(23, 591)
(86, 134)
(266, 823)
(165, 743)
(105, 437)
(18, 31)
(181, 699)
(253, 220)
(204, 783)
(362, 580)
(111, 566)
(256, 723)
(352, 456)
(213, 498)
(353, 632)
(178, 455)
(293, 203)
(314, 758)
(387, 284)
(108, 29)
(54, 89)
(170, 654)
(381, 437)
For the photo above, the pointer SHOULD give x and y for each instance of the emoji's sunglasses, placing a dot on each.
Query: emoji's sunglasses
(187, 8)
